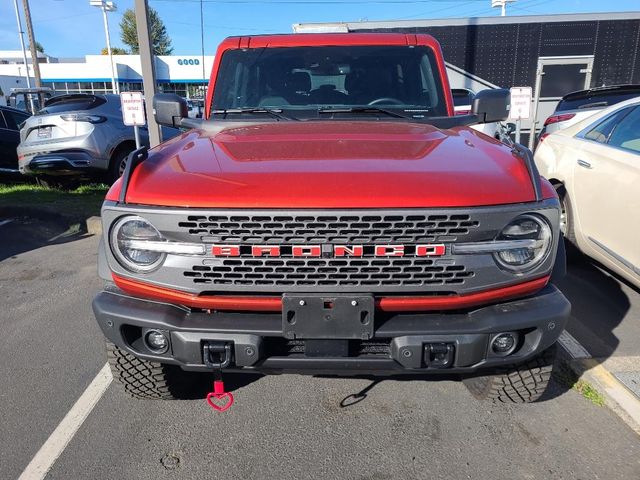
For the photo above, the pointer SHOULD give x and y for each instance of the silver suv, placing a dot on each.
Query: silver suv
(76, 137)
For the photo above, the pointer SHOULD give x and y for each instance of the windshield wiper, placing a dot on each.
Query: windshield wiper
(367, 109)
(275, 112)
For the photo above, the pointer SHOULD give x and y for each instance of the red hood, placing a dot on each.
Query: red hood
(330, 164)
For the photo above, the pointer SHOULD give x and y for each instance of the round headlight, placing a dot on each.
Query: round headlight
(129, 232)
(534, 234)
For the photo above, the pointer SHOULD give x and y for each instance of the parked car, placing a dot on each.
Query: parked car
(77, 136)
(577, 106)
(10, 121)
(462, 101)
(595, 167)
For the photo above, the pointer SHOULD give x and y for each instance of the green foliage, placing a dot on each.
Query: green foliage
(161, 43)
(84, 201)
(39, 47)
(114, 51)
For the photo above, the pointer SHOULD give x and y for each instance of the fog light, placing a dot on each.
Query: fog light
(504, 344)
(156, 341)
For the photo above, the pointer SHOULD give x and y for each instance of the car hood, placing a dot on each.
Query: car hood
(330, 164)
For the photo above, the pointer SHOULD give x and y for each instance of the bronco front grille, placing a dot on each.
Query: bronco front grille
(374, 272)
(325, 229)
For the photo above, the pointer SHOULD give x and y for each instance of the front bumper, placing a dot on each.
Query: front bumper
(402, 343)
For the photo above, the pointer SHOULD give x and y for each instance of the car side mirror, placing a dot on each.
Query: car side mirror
(169, 109)
(491, 105)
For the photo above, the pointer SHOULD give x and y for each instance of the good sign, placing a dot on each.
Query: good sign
(132, 108)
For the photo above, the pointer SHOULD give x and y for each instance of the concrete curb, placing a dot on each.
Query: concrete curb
(94, 225)
(617, 397)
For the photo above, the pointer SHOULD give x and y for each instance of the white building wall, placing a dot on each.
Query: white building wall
(96, 68)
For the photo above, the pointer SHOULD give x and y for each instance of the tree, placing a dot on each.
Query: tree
(114, 51)
(39, 47)
(161, 43)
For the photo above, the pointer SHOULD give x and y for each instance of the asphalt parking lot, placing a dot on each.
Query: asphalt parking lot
(284, 426)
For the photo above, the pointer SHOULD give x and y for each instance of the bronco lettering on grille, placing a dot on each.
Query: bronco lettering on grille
(427, 250)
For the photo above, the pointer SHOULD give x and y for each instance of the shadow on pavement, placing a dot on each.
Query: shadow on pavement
(20, 233)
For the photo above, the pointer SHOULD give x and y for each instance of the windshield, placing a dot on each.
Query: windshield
(299, 79)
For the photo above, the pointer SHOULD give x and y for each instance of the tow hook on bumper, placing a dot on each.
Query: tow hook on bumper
(216, 355)
(438, 355)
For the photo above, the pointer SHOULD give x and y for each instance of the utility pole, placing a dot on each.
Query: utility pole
(24, 52)
(147, 63)
(502, 4)
(32, 43)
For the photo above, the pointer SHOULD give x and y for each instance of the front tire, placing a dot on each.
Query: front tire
(524, 383)
(149, 380)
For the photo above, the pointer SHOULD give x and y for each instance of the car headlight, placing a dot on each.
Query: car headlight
(128, 238)
(528, 239)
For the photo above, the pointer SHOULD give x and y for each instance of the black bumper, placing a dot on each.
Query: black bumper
(402, 343)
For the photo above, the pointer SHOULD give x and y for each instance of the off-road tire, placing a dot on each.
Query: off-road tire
(524, 383)
(149, 380)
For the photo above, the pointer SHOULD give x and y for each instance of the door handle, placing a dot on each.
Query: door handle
(584, 164)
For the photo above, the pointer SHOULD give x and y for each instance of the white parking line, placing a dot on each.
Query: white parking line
(572, 346)
(67, 428)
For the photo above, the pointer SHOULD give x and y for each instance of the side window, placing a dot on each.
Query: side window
(14, 120)
(2, 122)
(627, 133)
(602, 131)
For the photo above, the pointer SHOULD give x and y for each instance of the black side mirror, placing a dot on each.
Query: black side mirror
(491, 105)
(169, 109)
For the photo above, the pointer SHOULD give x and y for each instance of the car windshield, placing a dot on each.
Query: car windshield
(336, 79)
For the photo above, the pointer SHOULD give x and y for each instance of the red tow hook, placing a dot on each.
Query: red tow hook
(219, 399)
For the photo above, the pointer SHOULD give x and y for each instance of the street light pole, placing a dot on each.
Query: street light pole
(107, 6)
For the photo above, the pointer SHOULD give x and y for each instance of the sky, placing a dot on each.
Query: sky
(72, 28)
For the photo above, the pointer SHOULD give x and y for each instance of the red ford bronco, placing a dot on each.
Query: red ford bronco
(331, 215)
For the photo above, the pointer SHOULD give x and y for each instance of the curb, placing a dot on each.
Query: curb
(94, 225)
(617, 397)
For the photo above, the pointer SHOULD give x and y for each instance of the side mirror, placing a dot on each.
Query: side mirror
(492, 105)
(511, 127)
(169, 109)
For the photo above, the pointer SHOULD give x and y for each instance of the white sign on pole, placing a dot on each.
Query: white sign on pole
(520, 103)
(132, 108)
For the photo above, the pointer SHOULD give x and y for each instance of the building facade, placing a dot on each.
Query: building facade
(186, 75)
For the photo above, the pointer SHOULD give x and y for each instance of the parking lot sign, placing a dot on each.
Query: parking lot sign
(132, 108)
(520, 103)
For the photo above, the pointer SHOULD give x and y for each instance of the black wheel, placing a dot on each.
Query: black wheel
(524, 383)
(117, 164)
(150, 380)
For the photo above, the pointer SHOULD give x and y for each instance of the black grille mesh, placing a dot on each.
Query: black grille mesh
(298, 229)
(375, 272)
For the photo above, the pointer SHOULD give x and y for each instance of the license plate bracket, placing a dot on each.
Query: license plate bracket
(328, 316)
